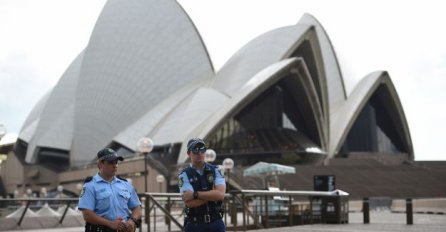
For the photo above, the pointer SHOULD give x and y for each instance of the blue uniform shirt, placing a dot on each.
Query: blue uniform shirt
(184, 182)
(109, 200)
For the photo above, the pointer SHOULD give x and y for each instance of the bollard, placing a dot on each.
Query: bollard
(409, 211)
(366, 210)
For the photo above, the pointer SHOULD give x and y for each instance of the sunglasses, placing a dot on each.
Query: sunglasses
(198, 150)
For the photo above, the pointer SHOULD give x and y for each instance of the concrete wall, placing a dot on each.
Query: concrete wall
(12, 173)
(133, 169)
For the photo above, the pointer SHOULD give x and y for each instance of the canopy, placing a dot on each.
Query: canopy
(265, 169)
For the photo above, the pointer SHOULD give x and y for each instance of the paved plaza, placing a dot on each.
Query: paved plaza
(382, 222)
(379, 221)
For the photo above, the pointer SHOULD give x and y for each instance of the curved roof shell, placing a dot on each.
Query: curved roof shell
(135, 59)
(347, 114)
(139, 77)
(292, 41)
(299, 80)
(55, 126)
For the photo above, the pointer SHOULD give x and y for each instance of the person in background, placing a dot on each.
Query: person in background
(202, 187)
(108, 202)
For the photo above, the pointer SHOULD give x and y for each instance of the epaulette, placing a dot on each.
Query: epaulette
(211, 165)
(121, 178)
(183, 170)
(88, 179)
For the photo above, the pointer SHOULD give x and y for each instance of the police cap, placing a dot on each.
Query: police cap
(109, 154)
(194, 142)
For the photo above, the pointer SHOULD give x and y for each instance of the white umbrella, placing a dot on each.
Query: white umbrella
(263, 170)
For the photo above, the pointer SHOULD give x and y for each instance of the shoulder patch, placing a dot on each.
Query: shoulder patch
(82, 192)
(123, 179)
(219, 171)
(180, 181)
(88, 179)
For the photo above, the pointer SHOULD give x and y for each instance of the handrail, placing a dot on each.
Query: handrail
(23, 214)
(29, 200)
(155, 197)
(238, 197)
(292, 193)
(245, 207)
(164, 211)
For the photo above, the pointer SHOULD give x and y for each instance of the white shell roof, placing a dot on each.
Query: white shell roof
(135, 59)
(140, 52)
(34, 117)
(55, 127)
(146, 72)
(347, 114)
(259, 53)
(250, 90)
(336, 92)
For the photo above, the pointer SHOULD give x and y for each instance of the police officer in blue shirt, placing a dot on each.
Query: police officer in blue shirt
(203, 190)
(109, 203)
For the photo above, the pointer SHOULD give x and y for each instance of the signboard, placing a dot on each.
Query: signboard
(324, 183)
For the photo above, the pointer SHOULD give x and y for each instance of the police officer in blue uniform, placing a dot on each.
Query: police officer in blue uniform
(203, 190)
(109, 203)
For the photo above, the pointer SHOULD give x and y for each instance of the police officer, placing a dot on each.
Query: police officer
(109, 203)
(203, 189)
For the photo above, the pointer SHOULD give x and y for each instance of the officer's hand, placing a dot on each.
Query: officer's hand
(119, 224)
(188, 195)
(131, 226)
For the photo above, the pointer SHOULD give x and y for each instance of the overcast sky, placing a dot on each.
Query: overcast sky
(39, 39)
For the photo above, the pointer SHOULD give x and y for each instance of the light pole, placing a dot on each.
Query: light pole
(60, 191)
(160, 179)
(228, 165)
(29, 193)
(2, 131)
(44, 192)
(210, 156)
(145, 146)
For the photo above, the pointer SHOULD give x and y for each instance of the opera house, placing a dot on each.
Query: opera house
(146, 73)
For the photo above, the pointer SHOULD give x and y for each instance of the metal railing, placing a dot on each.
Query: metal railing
(286, 216)
(152, 201)
(257, 208)
(255, 214)
(27, 203)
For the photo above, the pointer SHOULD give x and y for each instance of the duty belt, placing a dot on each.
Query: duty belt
(96, 228)
(206, 218)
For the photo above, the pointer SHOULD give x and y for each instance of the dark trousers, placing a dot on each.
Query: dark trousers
(215, 226)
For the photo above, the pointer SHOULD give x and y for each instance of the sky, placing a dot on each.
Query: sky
(39, 39)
